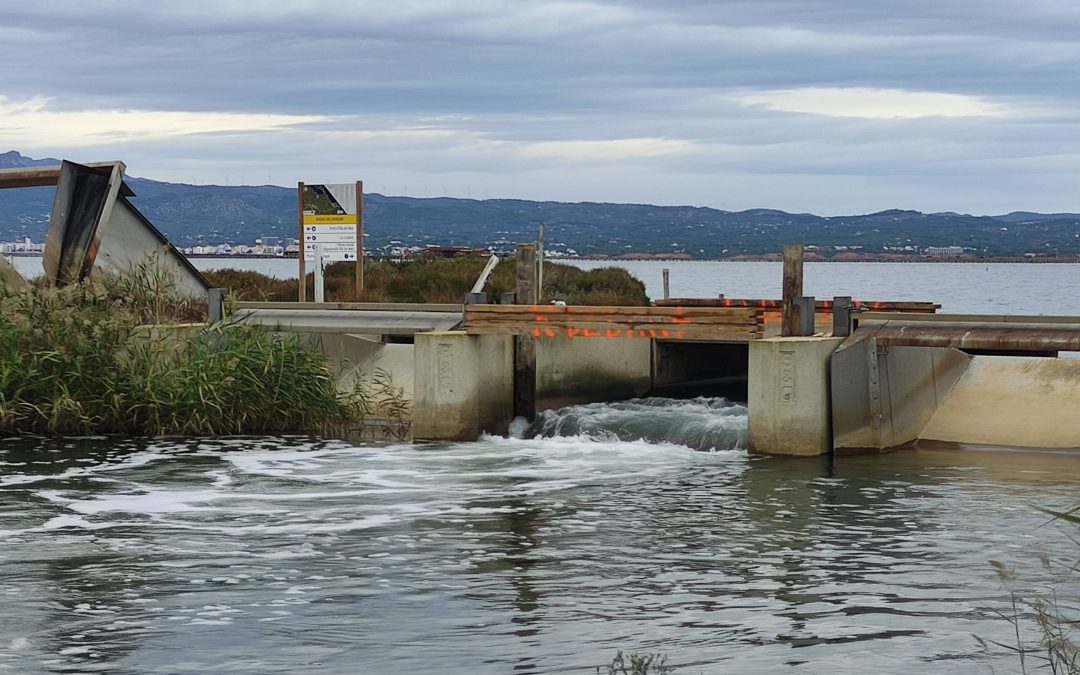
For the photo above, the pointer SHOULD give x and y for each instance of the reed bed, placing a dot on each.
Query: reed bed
(81, 360)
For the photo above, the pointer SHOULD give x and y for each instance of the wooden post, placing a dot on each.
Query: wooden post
(793, 289)
(300, 238)
(525, 345)
(359, 238)
(540, 263)
(841, 316)
(667, 287)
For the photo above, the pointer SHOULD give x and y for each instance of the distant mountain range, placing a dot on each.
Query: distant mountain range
(206, 214)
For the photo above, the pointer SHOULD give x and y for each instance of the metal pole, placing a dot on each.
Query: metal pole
(806, 315)
(300, 239)
(359, 238)
(215, 304)
(841, 316)
(320, 288)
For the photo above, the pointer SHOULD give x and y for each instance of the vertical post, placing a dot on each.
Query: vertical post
(525, 345)
(540, 263)
(359, 238)
(806, 315)
(667, 287)
(320, 288)
(215, 304)
(841, 316)
(793, 289)
(300, 238)
(476, 298)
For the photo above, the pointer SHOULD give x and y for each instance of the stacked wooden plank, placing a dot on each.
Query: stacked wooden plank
(663, 323)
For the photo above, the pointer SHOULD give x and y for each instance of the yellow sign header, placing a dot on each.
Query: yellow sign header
(330, 219)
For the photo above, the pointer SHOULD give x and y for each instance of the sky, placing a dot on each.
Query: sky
(822, 106)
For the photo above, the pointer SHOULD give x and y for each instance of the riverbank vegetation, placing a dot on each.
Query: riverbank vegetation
(114, 356)
(1053, 611)
(439, 280)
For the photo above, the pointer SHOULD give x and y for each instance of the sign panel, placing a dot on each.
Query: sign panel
(330, 218)
(332, 252)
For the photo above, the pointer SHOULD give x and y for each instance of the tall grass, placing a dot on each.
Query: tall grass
(1053, 614)
(440, 280)
(80, 360)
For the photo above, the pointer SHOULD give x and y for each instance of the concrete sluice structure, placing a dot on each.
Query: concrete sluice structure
(980, 380)
(897, 380)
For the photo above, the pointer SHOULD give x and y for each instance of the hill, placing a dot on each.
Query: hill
(193, 214)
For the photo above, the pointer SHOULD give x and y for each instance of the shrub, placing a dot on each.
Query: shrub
(439, 280)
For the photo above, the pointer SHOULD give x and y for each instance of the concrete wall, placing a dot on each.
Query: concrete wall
(358, 358)
(884, 398)
(789, 395)
(463, 385)
(581, 370)
(1012, 401)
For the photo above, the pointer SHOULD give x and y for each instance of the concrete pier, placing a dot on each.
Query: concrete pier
(789, 395)
(464, 385)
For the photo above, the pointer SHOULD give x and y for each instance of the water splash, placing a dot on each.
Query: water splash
(699, 423)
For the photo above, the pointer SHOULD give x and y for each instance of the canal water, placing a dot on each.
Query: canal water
(640, 526)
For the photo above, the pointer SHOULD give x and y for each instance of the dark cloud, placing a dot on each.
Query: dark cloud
(734, 104)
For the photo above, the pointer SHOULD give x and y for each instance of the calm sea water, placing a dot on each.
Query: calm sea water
(641, 525)
(961, 288)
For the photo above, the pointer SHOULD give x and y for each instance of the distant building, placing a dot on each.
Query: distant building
(944, 251)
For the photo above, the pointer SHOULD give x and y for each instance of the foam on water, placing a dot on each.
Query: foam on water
(700, 423)
(637, 525)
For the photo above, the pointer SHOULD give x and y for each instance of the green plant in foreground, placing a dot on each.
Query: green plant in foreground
(636, 664)
(81, 360)
(1056, 618)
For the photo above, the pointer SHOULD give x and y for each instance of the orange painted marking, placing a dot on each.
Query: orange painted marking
(572, 332)
(591, 332)
(550, 332)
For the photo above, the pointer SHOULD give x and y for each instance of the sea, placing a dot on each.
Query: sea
(639, 526)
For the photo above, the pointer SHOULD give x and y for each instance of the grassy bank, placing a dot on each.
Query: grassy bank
(439, 280)
(81, 360)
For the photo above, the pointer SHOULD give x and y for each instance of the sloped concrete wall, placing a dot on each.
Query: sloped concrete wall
(1012, 401)
(884, 398)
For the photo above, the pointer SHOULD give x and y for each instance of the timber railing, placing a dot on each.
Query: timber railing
(573, 321)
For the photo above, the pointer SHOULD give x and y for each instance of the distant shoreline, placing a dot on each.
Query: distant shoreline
(736, 259)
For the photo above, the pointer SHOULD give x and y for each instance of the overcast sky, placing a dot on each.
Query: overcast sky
(841, 106)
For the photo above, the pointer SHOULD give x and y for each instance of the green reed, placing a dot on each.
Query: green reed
(82, 360)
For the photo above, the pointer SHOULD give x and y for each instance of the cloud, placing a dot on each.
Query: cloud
(606, 150)
(871, 103)
(733, 103)
(33, 121)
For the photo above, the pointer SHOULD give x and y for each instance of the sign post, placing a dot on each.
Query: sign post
(331, 229)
